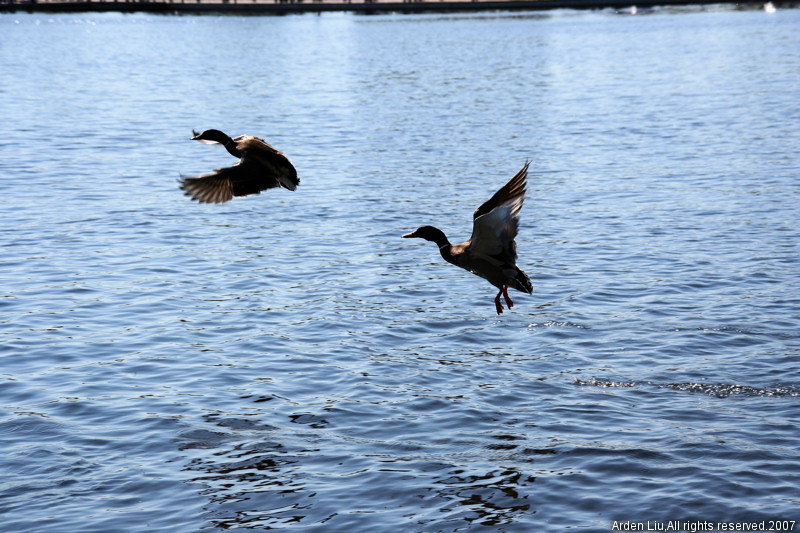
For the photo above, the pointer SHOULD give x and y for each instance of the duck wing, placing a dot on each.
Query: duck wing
(496, 221)
(242, 179)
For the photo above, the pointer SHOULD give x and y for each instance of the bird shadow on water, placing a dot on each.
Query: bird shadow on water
(275, 483)
(323, 468)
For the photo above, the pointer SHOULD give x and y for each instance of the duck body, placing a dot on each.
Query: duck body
(491, 251)
(260, 167)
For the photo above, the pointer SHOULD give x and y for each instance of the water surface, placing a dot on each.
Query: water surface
(288, 361)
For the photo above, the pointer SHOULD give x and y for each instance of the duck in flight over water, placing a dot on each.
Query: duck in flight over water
(491, 252)
(260, 167)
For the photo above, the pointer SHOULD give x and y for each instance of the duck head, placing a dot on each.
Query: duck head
(211, 137)
(429, 233)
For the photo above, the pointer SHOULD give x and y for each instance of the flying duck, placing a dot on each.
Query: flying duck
(260, 167)
(491, 252)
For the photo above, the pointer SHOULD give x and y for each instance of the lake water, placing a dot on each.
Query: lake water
(288, 361)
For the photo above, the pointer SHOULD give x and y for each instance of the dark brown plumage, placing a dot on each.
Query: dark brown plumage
(491, 252)
(260, 167)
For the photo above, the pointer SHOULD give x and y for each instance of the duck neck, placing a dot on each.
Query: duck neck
(230, 146)
(445, 248)
(447, 253)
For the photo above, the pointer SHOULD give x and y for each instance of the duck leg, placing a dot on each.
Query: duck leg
(497, 303)
(504, 290)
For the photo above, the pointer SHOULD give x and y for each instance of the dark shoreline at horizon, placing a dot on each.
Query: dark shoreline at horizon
(255, 7)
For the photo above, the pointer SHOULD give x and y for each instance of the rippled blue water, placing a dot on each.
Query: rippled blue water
(287, 360)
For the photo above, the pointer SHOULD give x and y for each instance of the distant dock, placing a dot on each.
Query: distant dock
(253, 7)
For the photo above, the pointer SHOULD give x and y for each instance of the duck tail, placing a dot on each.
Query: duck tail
(289, 179)
(522, 282)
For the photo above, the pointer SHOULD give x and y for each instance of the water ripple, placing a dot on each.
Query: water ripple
(720, 390)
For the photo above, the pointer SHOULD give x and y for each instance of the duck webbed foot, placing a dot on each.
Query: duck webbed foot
(504, 290)
(497, 303)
